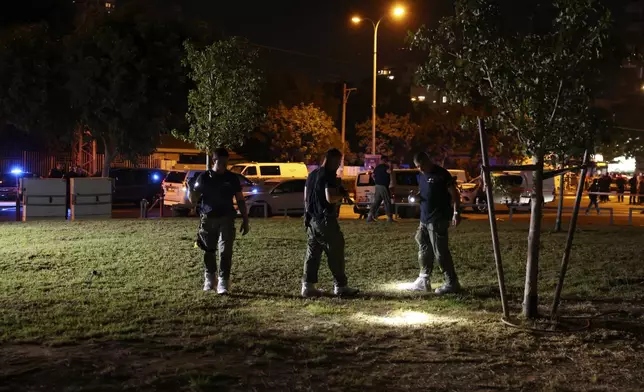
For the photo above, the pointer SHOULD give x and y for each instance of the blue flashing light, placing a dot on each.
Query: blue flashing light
(254, 191)
(16, 171)
(156, 177)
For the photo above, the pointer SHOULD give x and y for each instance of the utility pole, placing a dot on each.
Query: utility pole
(345, 97)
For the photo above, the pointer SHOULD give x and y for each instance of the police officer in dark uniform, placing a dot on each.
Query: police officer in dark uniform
(321, 195)
(382, 179)
(440, 204)
(57, 172)
(215, 190)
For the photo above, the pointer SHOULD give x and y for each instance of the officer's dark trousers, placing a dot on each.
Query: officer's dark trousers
(381, 195)
(591, 204)
(217, 234)
(324, 235)
(433, 243)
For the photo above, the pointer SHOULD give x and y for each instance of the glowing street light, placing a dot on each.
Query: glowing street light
(397, 12)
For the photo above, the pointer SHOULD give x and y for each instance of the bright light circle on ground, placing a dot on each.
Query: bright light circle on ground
(405, 318)
(401, 287)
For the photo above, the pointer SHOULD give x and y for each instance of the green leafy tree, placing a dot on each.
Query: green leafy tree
(300, 133)
(31, 71)
(394, 138)
(537, 84)
(123, 76)
(223, 105)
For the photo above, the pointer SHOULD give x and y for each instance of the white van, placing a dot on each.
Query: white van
(512, 188)
(403, 182)
(262, 171)
(176, 186)
(461, 176)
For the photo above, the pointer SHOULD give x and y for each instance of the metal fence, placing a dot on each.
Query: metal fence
(41, 162)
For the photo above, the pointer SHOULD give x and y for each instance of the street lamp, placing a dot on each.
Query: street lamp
(397, 12)
(345, 98)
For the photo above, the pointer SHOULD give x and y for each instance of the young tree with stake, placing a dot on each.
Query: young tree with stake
(224, 102)
(534, 84)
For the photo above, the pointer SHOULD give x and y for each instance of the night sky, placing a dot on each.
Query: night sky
(320, 33)
(323, 28)
(320, 29)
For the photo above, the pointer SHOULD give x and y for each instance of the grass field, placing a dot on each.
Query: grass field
(117, 305)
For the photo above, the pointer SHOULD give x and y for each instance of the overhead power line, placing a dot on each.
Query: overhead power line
(302, 54)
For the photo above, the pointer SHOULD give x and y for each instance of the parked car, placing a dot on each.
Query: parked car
(462, 176)
(277, 197)
(510, 189)
(263, 171)
(403, 182)
(177, 185)
(131, 185)
(10, 185)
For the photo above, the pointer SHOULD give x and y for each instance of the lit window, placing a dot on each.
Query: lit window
(421, 98)
(391, 77)
(444, 99)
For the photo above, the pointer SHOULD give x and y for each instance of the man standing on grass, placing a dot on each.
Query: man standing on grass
(321, 194)
(382, 179)
(440, 204)
(215, 190)
(632, 199)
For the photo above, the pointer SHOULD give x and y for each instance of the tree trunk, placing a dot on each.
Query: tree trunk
(560, 204)
(208, 163)
(110, 153)
(531, 293)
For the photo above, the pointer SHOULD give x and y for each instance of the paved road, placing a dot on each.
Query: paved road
(620, 211)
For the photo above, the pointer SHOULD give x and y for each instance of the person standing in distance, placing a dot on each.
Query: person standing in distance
(382, 179)
(439, 206)
(214, 190)
(57, 172)
(321, 194)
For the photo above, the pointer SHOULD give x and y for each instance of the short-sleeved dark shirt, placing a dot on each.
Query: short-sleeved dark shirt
(217, 192)
(55, 173)
(621, 184)
(316, 184)
(435, 200)
(381, 175)
(633, 183)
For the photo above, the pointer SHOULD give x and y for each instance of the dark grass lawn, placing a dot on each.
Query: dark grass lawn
(117, 305)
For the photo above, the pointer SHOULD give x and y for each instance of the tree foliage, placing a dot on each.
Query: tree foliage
(394, 136)
(33, 98)
(119, 76)
(539, 86)
(122, 78)
(301, 133)
(223, 105)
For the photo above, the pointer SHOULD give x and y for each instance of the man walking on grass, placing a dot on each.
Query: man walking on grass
(439, 206)
(321, 194)
(215, 190)
(382, 178)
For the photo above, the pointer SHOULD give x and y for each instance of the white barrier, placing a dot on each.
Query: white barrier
(91, 197)
(43, 198)
(630, 213)
(528, 208)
